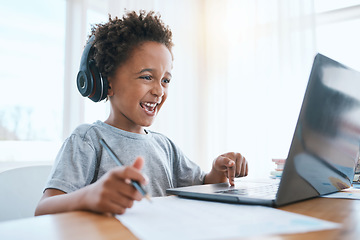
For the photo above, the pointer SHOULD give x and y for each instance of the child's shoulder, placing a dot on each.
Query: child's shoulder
(159, 137)
(87, 130)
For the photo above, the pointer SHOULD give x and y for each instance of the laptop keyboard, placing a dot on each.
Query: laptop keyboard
(259, 190)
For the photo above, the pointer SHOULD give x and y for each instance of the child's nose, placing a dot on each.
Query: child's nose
(157, 90)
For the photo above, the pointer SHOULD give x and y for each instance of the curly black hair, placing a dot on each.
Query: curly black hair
(115, 39)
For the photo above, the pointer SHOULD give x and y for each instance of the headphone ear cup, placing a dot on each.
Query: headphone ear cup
(84, 79)
(100, 84)
(85, 84)
(89, 81)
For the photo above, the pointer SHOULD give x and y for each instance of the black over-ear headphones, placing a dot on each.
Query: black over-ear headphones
(90, 82)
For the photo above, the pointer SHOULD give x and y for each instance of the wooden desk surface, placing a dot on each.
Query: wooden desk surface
(86, 225)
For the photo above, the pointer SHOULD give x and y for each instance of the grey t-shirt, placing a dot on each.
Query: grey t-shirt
(82, 156)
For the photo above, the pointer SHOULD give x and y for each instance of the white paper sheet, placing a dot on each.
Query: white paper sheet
(178, 218)
(350, 193)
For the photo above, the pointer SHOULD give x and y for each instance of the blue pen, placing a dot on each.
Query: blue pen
(118, 162)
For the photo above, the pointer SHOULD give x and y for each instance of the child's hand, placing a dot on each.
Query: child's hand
(232, 165)
(113, 192)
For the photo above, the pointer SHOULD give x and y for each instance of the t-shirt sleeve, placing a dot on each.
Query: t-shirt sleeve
(74, 165)
(186, 172)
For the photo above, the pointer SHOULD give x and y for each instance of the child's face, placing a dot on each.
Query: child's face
(139, 87)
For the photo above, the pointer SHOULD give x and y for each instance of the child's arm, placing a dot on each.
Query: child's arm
(112, 193)
(227, 166)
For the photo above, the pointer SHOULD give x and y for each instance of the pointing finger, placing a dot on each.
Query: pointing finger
(231, 172)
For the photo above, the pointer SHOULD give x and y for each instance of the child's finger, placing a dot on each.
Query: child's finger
(240, 166)
(128, 173)
(243, 168)
(231, 175)
(138, 163)
(222, 163)
(238, 163)
(230, 167)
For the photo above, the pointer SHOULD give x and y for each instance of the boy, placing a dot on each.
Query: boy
(134, 54)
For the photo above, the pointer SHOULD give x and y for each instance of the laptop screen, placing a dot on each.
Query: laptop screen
(325, 146)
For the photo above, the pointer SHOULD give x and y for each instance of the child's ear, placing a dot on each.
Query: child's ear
(110, 89)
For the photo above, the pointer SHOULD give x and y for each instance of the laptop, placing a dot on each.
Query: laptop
(324, 150)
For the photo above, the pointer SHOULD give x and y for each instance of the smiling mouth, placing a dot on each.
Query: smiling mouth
(149, 108)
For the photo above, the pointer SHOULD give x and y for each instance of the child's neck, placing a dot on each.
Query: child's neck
(138, 130)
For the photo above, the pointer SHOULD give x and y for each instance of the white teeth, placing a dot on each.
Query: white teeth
(150, 104)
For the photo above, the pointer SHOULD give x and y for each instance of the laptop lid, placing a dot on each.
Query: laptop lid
(325, 145)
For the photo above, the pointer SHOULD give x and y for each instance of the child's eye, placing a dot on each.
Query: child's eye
(166, 80)
(148, 77)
